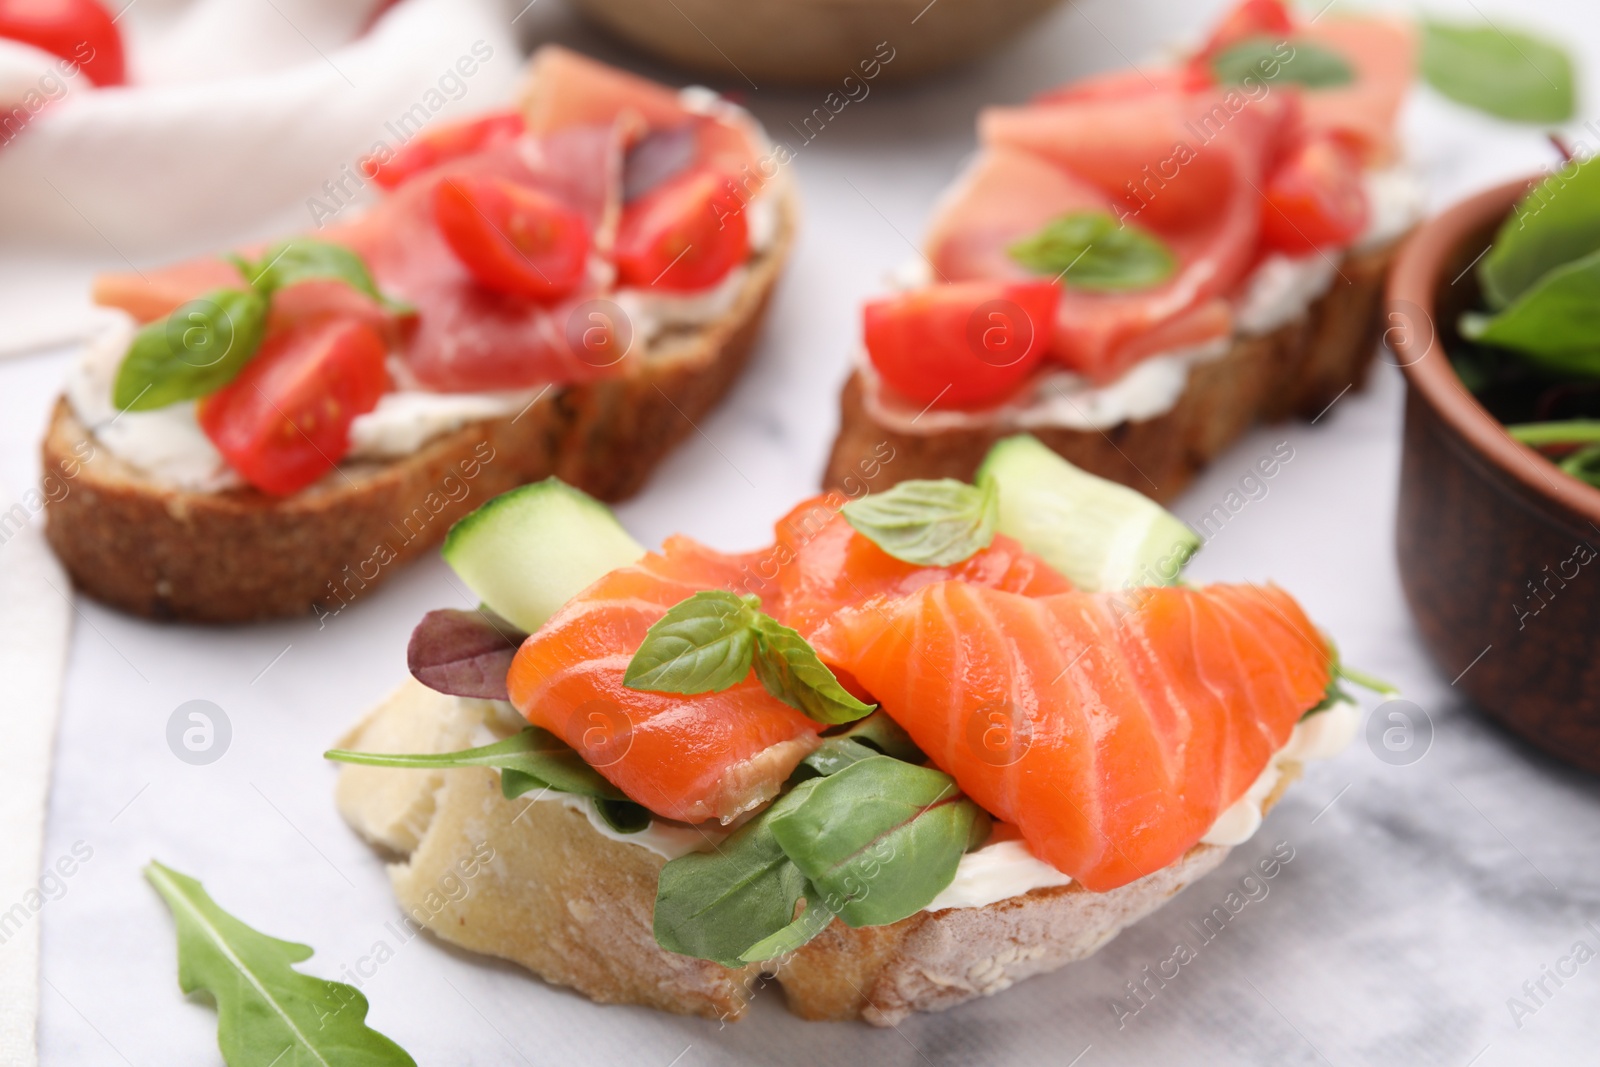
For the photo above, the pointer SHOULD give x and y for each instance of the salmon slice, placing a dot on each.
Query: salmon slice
(1383, 54)
(690, 758)
(828, 566)
(1111, 731)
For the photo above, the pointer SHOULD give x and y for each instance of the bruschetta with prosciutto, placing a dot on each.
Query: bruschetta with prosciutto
(559, 288)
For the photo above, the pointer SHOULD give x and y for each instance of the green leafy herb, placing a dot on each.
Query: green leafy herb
(833, 756)
(1507, 73)
(929, 523)
(267, 1012)
(623, 816)
(1558, 221)
(196, 350)
(532, 759)
(791, 671)
(879, 839)
(883, 734)
(1555, 323)
(1261, 58)
(1582, 463)
(1093, 251)
(205, 343)
(305, 259)
(793, 937)
(703, 644)
(717, 905)
(709, 641)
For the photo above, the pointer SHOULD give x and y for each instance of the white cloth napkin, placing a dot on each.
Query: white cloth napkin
(241, 112)
(35, 620)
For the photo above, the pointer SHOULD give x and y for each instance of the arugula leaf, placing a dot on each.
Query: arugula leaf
(879, 839)
(1506, 73)
(703, 644)
(623, 816)
(1556, 323)
(1096, 252)
(267, 1012)
(1261, 58)
(791, 671)
(532, 759)
(194, 351)
(718, 905)
(929, 523)
(306, 259)
(1558, 221)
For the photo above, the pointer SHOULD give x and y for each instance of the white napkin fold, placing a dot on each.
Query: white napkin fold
(35, 622)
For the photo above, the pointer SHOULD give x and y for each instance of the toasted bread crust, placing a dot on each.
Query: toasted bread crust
(240, 555)
(1298, 369)
(576, 908)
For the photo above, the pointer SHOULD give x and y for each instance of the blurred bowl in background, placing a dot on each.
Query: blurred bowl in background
(1499, 550)
(815, 42)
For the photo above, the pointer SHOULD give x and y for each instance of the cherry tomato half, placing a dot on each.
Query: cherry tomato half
(1314, 199)
(512, 239)
(685, 234)
(428, 150)
(80, 31)
(964, 345)
(285, 420)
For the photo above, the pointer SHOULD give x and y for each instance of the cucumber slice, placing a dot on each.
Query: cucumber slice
(1099, 534)
(527, 552)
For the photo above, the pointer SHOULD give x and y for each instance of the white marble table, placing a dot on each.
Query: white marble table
(1418, 900)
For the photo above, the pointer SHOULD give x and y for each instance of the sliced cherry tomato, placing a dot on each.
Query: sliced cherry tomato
(285, 420)
(1314, 199)
(1251, 18)
(80, 31)
(966, 345)
(685, 234)
(513, 239)
(428, 150)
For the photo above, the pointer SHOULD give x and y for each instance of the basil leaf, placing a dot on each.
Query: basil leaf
(1092, 250)
(791, 671)
(884, 734)
(929, 523)
(463, 653)
(879, 839)
(267, 1012)
(1555, 324)
(703, 644)
(305, 259)
(1507, 73)
(1261, 58)
(717, 905)
(533, 759)
(194, 351)
(1557, 222)
(793, 937)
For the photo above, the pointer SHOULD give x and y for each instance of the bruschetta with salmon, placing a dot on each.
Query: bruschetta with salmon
(919, 747)
(560, 288)
(1137, 266)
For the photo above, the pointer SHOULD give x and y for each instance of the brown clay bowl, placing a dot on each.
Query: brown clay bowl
(1499, 550)
(815, 42)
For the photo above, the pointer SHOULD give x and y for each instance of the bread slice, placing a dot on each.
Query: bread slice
(238, 555)
(1297, 369)
(531, 881)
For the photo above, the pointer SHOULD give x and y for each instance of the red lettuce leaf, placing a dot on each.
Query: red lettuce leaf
(463, 653)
